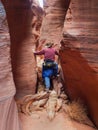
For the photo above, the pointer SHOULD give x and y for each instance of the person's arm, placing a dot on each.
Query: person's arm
(39, 52)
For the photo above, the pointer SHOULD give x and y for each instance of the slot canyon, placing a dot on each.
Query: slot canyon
(26, 26)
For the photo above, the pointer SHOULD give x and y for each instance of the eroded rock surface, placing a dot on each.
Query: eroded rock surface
(54, 21)
(80, 66)
(20, 17)
(81, 24)
(79, 59)
(7, 88)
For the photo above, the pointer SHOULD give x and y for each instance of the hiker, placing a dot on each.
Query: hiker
(49, 67)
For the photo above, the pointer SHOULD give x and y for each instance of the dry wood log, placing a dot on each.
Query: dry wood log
(25, 104)
(42, 102)
(37, 105)
(32, 109)
(51, 105)
(39, 96)
(28, 107)
(59, 104)
(25, 108)
(21, 103)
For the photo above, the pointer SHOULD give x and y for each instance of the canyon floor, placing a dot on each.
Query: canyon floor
(40, 121)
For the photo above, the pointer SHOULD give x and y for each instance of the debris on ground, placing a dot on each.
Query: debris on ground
(53, 105)
(78, 112)
(53, 102)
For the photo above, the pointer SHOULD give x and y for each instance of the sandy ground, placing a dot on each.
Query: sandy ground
(40, 121)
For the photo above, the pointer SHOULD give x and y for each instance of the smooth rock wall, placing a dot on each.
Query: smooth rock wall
(19, 16)
(79, 59)
(53, 22)
(7, 87)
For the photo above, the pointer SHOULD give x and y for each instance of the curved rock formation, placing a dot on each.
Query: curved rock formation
(7, 87)
(19, 16)
(54, 20)
(78, 58)
(8, 110)
(80, 61)
(79, 66)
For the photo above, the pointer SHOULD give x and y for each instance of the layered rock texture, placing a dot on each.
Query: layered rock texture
(7, 88)
(81, 23)
(8, 110)
(54, 21)
(79, 52)
(21, 18)
(80, 56)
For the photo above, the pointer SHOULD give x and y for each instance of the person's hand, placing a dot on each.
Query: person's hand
(33, 50)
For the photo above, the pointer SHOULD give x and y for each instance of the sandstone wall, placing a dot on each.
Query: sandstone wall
(7, 87)
(8, 110)
(80, 59)
(54, 21)
(19, 16)
(81, 23)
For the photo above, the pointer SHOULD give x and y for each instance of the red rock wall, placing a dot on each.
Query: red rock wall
(81, 23)
(80, 61)
(54, 20)
(80, 66)
(19, 16)
(7, 87)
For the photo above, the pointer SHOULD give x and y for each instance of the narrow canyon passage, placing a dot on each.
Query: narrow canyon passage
(35, 112)
(26, 27)
(53, 110)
